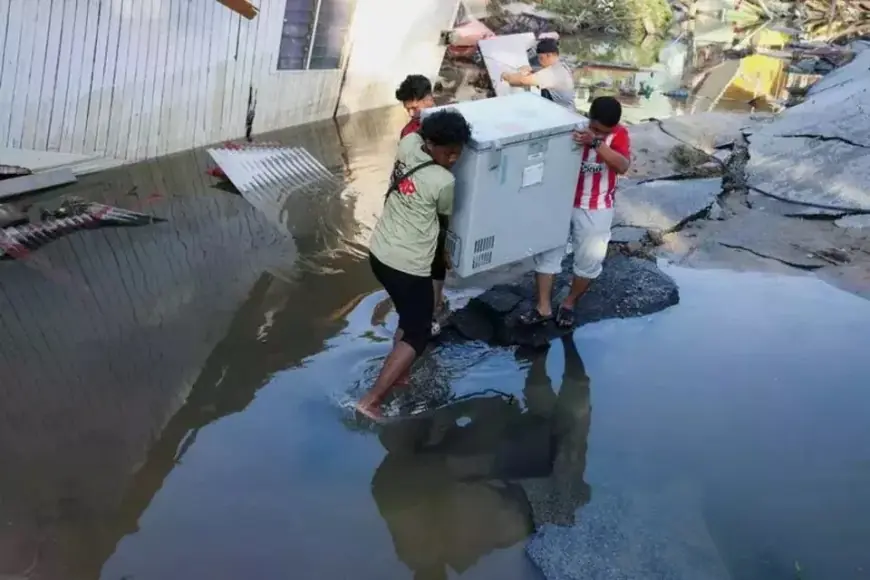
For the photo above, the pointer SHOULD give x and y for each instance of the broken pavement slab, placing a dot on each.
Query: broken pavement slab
(16, 186)
(818, 152)
(627, 235)
(827, 174)
(711, 130)
(787, 240)
(854, 222)
(628, 287)
(840, 113)
(627, 535)
(766, 203)
(664, 205)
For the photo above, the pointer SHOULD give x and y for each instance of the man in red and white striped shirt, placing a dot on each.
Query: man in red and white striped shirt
(606, 151)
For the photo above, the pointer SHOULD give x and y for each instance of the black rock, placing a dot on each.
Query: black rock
(627, 287)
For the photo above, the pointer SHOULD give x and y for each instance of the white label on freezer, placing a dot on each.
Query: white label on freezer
(536, 156)
(533, 174)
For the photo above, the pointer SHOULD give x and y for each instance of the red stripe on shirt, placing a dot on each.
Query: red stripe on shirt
(599, 197)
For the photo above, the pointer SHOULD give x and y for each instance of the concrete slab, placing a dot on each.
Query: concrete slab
(43, 160)
(651, 150)
(854, 222)
(664, 205)
(707, 131)
(829, 174)
(766, 203)
(627, 235)
(624, 535)
(505, 54)
(839, 77)
(838, 113)
(16, 186)
(783, 239)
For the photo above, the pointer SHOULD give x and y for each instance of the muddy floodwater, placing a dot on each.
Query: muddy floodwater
(169, 401)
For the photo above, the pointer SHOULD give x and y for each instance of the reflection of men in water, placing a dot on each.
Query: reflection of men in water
(438, 487)
(415, 94)
(405, 237)
(556, 498)
(482, 473)
(555, 79)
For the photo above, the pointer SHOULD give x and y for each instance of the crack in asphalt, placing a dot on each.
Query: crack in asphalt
(769, 257)
(826, 138)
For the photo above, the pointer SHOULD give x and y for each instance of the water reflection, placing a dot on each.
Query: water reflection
(117, 346)
(480, 473)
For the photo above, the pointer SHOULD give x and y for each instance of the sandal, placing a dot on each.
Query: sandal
(565, 317)
(533, 316)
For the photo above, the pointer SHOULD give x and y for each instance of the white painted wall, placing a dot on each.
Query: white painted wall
(390, 40)
(135, 79)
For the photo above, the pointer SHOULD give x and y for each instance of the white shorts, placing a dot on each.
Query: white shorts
(590, 234)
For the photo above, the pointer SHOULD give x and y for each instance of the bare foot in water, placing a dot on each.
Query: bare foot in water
(372, 412)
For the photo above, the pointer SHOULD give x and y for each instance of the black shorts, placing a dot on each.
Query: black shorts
(439, 266)
(413, 298)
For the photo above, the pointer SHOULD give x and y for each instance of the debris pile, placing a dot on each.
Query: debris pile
(19, 236)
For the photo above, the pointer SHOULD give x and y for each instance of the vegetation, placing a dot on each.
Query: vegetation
(836, 20)
(633, 19)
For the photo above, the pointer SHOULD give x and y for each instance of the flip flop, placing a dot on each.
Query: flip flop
(565, 317)
(533, 316)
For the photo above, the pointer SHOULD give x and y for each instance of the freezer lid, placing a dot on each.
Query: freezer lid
(516, 118)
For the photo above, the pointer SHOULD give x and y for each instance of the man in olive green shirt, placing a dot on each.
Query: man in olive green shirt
(405, 238)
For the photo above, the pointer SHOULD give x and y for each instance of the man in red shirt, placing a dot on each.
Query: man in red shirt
(415, 94)
(606, 150)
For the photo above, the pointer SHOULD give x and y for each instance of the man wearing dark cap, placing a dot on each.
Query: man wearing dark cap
(555, 79)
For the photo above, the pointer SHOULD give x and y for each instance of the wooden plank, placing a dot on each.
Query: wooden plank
(141, 24)
(31, 21)
(193, 75)
(6, 35)
(180, 119)
(149, 109)
(28, 183)
(14, 28)
(120, 72)
(201, 51)
(99, 85)
(229, 65)
(213, 61)
(174, 54)
(159, 83)
(36, 131)
(268, 77)
(67, 71)
(5, 17)
(75, 108)
(244, 76)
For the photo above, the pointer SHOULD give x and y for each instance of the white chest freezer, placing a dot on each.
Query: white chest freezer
(515, 181)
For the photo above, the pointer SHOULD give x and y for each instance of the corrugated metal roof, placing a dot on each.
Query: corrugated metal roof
(266, 175)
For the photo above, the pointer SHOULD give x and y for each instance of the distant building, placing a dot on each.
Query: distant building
(135, 79)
